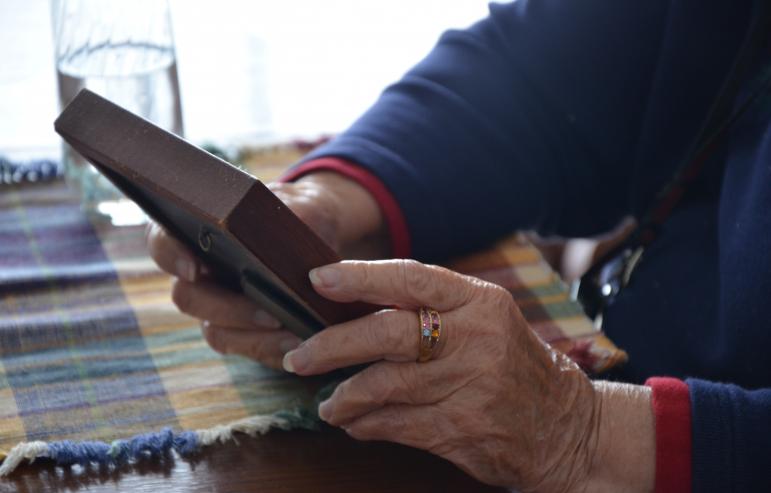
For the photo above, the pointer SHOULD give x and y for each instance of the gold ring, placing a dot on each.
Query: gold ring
(430, 331)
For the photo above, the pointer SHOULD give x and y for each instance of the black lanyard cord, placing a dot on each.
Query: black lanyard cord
(612, 272)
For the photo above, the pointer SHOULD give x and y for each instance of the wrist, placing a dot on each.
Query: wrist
(625, 453)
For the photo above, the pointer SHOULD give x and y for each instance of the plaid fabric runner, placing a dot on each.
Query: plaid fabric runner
(91, 347)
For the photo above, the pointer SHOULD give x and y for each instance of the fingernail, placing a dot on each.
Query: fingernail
(287, 364)
(288, 344)
(185, 269)
(325, 410)
(265, 319)
(328, 277)
(296, 360)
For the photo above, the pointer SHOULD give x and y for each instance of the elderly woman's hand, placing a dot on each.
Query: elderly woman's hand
(337, 209)
(495, 400)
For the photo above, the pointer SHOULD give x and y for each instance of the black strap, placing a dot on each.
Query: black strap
(612, 272)
(713, 133)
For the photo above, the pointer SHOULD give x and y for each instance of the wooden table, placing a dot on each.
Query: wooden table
(281, 461)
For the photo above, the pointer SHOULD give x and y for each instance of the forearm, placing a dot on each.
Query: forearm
(466, 143)
(625, 458)
(686, 436)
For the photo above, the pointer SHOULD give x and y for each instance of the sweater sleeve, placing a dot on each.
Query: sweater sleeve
(672, 411)
(526, 120)
(731, 437)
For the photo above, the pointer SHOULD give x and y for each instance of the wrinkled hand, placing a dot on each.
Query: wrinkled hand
(494, 400)
(338, 210)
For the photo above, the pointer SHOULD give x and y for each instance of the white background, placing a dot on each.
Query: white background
(249, 71)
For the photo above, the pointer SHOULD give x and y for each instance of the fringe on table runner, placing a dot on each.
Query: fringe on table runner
(151, 445)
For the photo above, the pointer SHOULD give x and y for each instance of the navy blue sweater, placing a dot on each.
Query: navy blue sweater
(565, 116)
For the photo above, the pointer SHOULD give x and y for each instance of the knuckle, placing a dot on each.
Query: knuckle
(211, 335)
(161, 239)
(385, 333)
(373, 386)
(367, 278)
(470, 288)
(373, 336)
(392, 337)
(488, 293)
(344, 392)
(492, 330)
(499, 295)
(256, 349)
(181, 295)
(275, 186)
(504, 307)
(324, 352)
(315, 346)
(343, 389)
(414, 278)
(407, 382)
(350, 388)
(382, 388)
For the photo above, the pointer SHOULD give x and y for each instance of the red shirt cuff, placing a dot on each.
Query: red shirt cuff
(392, 213)
(671, 403)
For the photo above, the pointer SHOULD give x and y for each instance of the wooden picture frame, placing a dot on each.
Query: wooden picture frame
(231, 220)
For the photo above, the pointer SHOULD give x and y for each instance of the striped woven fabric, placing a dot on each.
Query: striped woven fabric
(93, 351)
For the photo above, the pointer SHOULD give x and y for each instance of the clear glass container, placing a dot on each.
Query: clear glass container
(124, 51)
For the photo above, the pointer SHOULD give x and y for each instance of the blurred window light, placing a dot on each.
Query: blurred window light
(249, 71)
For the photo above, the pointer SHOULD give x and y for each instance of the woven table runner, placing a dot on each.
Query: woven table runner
(98, 366)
